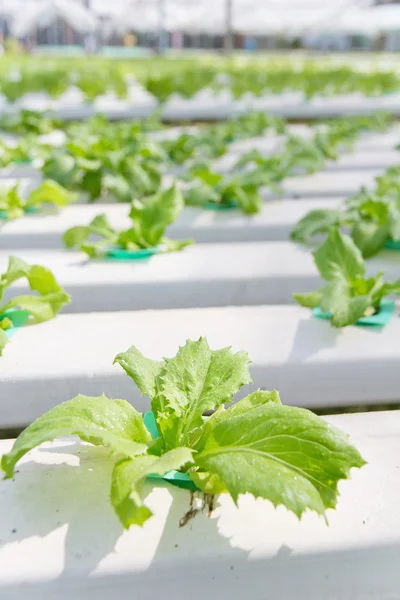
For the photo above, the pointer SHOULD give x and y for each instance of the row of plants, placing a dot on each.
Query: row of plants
(240, 188)
(284, 454)
(311, 79)
(348, 296)
(27, 309)
(287, 455)
(368, 222)
(372, 217)
(14, 204)
(55, 82)
(122, 161)
(166, 77)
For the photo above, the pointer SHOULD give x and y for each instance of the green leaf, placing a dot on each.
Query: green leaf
(370, 237)
(310, 299)
(52, 296)
(91, 182)
(99, 226)
(284, 454)
(61, 168)
(75, 236)
(207, 176)
(129, 476)
(199, 379)
(339, 257)
(98, 420)
(200, 194)
(152, 215)
(3, 340)
(117, 186)
(42, 308)
(12, 203)
(198, 437)
(143, 371)
(249, 198)
(138, 178)
(40, 278)
(50, 192)
(209, 483)
(394, 221)
(175, 245)
(344, 308)
(17, 268)
(385, 289)
(252, 156)
(314, 223)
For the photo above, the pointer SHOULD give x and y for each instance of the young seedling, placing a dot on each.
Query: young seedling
(108, 163)
(150, 218)
(302, 155)
(281, 453)
(212, 188)
(373, 217)
(13, 205)
(213, 141)
(348, 295)
(42, 307)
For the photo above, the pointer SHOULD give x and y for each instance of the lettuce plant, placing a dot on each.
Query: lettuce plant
(29, 121)
(13, 205)
(373, 217)
(213, 141)
(348, 295)
(26, 150)
(150, 218)
(42, 307)
(311, 79)
(301, 155)
(210, 187)
(102, 166)
(281, 453)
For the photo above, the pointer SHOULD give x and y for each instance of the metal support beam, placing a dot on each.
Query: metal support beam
(162, 32)
(228, 26)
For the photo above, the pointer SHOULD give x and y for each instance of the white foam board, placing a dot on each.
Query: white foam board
(365, 160)
(275, 222)
(327, 183)
(60, 538)
(201, 275)
(348, 161)
(311, 363)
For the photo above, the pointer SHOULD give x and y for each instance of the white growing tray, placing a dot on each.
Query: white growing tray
(199, 276)
(311, 363)
(327, 183)
(208, 105)
(275, 222)
(72, 105)
(61, 539)
(323, 183)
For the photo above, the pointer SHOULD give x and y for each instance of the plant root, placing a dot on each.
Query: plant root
(197, 504)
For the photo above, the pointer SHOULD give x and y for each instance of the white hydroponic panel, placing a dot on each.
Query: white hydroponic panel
(200, 275)
(208, 105)
(387, 140)
(275, 222)
(367, 141)
(61, 539)
(72, 104)
(327, 183)
(348, 161)
(365, 159)
(311, 363)
(13, 173)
